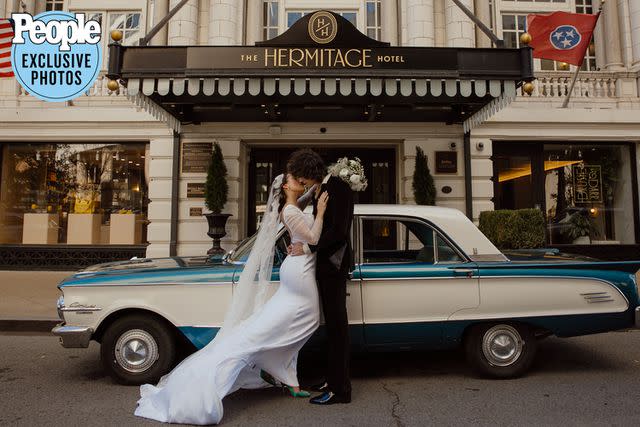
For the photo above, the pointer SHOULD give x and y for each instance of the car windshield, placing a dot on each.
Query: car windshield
(241, 253)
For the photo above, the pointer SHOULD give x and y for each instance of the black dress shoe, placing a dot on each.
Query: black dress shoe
(329, 398)
(321, 387)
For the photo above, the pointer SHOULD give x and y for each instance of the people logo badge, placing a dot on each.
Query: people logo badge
(323, 27)
(56, 55)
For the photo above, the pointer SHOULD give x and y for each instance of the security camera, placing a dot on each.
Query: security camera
(323, 130)
(480, 146)
(452, 145)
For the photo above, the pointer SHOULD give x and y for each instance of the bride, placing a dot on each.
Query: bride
(261, 336)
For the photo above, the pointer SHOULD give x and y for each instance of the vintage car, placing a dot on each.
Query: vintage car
(425, 278)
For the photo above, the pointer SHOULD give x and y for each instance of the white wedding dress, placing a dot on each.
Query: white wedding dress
(268, 339)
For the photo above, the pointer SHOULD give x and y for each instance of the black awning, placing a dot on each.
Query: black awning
(334, 74)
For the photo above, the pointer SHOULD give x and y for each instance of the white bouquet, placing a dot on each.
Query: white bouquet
(351, 172)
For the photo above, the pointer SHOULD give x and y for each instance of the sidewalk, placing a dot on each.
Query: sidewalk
(28, 299)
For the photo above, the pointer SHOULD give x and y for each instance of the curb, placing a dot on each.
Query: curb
(27, 325)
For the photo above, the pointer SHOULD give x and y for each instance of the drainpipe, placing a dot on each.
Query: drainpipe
(468, 189)
(175, 199)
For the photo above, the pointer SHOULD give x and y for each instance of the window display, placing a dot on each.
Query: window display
(585, 189)
(72, 193)
(588, 194)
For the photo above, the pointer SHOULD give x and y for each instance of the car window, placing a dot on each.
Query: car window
(241, 253)
(281, 248)
(397, 240)
(445, 253)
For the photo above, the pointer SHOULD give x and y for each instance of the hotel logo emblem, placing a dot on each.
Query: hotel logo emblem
(323, 27)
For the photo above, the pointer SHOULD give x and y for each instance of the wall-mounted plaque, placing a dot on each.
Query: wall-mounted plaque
(446, 189)
(195, 211)
(196, 156)
(446, 162)
(195, 190)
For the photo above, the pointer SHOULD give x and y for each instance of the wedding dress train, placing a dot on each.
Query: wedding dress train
(269, 339)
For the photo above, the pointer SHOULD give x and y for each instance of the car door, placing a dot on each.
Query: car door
(413, 279)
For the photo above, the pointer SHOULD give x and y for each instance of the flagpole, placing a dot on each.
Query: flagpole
(573, 83)
(575, 76)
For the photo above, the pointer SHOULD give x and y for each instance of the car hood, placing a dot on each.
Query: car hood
(175, 270)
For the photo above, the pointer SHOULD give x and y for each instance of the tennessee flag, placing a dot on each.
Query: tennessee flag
(6, 38)
(561, 36)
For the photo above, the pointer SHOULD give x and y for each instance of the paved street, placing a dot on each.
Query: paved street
(579, 381)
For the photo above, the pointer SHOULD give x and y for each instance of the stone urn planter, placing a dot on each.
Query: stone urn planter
(215, 197)
(217, 230)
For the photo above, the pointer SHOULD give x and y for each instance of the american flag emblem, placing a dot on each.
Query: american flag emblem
(6, 38)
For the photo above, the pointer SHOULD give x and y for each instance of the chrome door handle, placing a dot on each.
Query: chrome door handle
(463, 272)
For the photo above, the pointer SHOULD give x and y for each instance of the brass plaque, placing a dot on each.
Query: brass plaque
(196, 157)
(195, 190)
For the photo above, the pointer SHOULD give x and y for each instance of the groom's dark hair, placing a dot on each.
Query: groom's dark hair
(306, 163)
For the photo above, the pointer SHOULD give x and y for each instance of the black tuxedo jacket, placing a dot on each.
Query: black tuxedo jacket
(335, 237)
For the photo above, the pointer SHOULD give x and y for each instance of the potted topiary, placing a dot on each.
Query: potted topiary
(424, 189)
(215, 197)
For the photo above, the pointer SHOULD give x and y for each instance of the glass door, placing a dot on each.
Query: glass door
(266, 163)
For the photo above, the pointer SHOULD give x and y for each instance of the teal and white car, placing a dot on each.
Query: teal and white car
(425, 278)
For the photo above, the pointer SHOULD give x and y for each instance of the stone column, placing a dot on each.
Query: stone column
(460, 31)
(254, 22)
(439, 23)
(389, 11)
(30, 6)
(160, 188)
(420, 25)
(203, 21)
(483, 12)
(41, 5)
(634, 15)
(183, 27)
(624, 21)
(223, 22)
(612, 36)
(160, 10)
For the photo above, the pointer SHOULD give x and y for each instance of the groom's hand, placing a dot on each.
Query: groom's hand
(295, 249)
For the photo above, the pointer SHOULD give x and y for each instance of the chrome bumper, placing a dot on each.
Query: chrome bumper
(73, 336)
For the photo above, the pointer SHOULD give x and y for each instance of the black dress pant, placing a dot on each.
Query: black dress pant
(333, 294)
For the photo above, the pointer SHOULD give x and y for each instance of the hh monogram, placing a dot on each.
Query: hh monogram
(323, 27)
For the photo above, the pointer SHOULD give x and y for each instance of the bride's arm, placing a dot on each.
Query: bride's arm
(297, 224)
(306, 198)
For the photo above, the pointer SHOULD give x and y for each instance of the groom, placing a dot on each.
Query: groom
(333, 263)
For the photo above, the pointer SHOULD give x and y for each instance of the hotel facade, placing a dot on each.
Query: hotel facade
(119, 173)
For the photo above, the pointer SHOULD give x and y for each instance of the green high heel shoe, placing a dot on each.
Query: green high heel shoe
(294, 393)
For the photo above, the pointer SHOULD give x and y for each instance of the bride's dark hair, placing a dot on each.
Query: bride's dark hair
(282, 196)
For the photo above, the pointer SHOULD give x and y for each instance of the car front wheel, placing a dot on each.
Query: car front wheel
(501, 350)
(138, 349)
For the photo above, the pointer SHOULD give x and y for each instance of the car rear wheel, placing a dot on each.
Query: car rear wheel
(138, 349)
(502, 350)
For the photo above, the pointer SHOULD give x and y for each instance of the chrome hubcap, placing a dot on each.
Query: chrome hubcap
(502, 345)
(136, 351)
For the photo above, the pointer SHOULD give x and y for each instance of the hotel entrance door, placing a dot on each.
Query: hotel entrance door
(266, 163)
